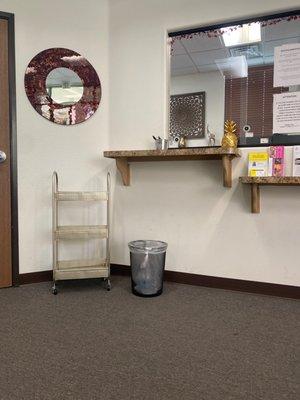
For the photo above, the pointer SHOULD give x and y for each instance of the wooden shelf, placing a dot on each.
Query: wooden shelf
(124, 158)
(255, 183)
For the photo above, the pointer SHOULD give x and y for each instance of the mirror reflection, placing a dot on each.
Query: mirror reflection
(233, 69)
(64, 86)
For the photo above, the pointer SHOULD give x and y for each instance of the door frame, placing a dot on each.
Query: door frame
(13, 146)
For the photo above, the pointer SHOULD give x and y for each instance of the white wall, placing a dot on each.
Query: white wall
(213, 84)
(75, 152)
(210, 229)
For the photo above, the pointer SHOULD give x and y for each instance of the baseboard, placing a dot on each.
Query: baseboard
(271, 289)
(35, 277)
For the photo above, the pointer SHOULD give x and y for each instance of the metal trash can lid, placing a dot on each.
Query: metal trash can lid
(147, 246)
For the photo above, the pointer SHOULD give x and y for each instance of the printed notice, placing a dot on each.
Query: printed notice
(286, 112)
(287, 65)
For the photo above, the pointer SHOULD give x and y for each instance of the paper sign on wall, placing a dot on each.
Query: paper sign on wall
(286, 112)
(287, 65)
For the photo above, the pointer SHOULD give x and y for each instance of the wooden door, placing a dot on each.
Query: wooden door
(5, 177)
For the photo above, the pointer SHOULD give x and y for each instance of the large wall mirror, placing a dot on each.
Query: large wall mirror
(62, 86)
(232, 66)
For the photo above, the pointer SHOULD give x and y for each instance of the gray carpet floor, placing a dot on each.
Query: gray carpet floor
(190, 343)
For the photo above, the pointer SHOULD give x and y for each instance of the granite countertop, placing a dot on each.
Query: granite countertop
(200, 151)
(271, 180)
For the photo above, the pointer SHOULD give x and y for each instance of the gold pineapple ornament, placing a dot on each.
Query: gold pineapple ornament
(229, 139)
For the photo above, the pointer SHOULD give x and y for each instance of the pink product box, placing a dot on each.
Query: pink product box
(277, 160)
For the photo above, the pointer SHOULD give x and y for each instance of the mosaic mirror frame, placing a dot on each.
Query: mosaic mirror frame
(35, 85)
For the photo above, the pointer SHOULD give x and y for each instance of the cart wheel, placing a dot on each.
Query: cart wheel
(54, 291)
(108, 285)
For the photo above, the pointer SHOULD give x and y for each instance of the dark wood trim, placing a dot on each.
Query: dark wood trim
(257, 18)
(35, 277)
(119, 269)
(13, 155)
(271, 289)
(13, 146)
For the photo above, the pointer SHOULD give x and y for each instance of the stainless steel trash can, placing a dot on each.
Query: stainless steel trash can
(147, 259)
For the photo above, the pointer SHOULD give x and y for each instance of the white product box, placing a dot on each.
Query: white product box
(296, 160)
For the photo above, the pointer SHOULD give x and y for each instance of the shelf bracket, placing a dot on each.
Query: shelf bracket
(124, 169)
(227, 170)
(255, 198)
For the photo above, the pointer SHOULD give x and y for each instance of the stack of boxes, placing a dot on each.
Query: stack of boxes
(272, 162)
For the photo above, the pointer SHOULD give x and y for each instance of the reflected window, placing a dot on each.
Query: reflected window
(64, 86)
(234, 66)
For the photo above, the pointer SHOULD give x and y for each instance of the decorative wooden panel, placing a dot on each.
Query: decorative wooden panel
(187, 115)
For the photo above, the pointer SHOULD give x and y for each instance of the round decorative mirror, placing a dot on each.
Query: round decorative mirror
(62, 86)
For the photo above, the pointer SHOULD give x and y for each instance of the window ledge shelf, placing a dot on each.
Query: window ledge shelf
(255, 183)
(125, 157)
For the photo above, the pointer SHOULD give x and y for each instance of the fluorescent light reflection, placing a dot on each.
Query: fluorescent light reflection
(248, 33)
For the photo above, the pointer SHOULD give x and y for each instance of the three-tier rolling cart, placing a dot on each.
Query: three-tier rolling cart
(79, 269)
